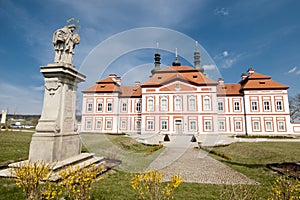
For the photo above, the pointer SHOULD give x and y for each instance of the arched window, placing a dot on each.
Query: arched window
(150, 104)
(164, 104)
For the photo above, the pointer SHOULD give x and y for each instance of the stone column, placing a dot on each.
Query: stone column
(56, 136)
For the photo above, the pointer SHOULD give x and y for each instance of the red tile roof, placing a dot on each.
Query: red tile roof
(183, 73)
(231, 89)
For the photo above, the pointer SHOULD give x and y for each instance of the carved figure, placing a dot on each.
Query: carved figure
(64, 41)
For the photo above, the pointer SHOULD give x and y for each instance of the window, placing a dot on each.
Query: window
(109, 107)
(193, 126)
(124, 107)
(164, 125)
(206, 103)
(99, 107)
(236, 106)
(281, 126)
(88, 124)
(254, 106)
(98, 124)
(150, 125)
(221, 125)
(90, 107)
(207, 125)
(266, 105)
(138, 107)
(150, 104)
(178, 103)
(220, 106)
(256, 126)
(279, 106)
(108, 124)
(269, 126)
(238, 125)
(192, 104)
(164, 104)
(123, 124)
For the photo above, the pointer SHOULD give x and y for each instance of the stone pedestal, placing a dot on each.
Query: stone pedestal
(56, 135)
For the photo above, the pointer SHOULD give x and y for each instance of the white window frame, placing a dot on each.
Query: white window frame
(206, 103)
(207, 125)
(238, 125)
(220, 106)
(254, 105)
(89, 107)
(270, 126)
(192, 104)
(267, 106)
(281, 126)
(150, 124)
(88, 124)
(150, 104)
(98, 124)
(236, 106)
(178, 103)
(221, 125)
(164, 104)
(108, 124)
(193, 125)
(164, 125)
(256, 126)
(109, 107)
(138, 107)
(124, 107)
(99, 107)
(123, 124)
(279, 105)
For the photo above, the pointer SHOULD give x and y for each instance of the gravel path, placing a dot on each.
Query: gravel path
(196, 166)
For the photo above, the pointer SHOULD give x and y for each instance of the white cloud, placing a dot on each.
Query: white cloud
(225, 53)
(221, 11)
(209, 67)
(292, 70)
(20, 99)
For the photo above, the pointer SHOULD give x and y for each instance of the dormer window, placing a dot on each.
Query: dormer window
(262, 82)
(195, 76)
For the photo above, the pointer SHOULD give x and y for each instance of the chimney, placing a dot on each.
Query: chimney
(250, 71)
(243, 76)
(220, 81)
(137, 83)
(197, 64)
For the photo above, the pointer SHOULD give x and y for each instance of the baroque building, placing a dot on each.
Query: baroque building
(183, 100)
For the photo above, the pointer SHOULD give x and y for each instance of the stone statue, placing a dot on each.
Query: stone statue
(64, 41)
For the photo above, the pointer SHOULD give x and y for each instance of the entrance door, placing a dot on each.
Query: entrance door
(178, 126)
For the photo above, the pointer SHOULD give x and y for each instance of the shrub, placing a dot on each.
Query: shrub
(149, 185)
(285, 188)
(29, 176)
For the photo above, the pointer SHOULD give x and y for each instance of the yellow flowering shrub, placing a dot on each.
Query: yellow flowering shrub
(285, 188)
(149, 185)
(30, 175)
(75, 183)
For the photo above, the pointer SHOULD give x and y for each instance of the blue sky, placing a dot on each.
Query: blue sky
(263, 34)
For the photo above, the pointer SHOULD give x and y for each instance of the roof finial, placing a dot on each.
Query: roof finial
(197, 47)
(157, 46)
(176, 62)
(176, 53)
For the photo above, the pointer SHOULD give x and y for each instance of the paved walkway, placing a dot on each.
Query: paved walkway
(194, 165)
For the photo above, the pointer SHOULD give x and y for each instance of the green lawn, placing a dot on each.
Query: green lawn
(248, 158)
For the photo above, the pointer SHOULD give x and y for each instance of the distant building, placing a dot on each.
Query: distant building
(183, 100)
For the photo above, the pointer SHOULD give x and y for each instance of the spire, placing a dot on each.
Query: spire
(176, 62)
(197, 64)
(157, 58)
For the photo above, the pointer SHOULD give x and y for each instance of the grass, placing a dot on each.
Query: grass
(247, 158)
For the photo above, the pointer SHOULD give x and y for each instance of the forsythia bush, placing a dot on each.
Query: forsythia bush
(149, 185)
(285, 188)
(30, 175)
(75, 182)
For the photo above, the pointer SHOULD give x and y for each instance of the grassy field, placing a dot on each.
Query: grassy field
(247, 158)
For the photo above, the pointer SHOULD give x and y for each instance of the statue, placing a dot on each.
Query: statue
(64, 41)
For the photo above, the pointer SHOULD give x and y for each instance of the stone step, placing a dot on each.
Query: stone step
(73, 160)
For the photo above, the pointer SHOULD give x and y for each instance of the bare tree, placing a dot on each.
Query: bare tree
(294, 103)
